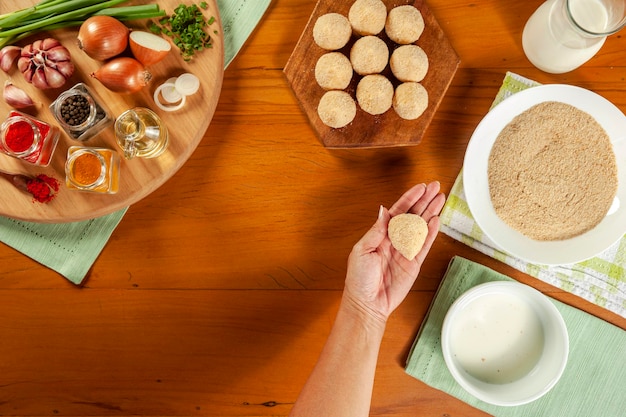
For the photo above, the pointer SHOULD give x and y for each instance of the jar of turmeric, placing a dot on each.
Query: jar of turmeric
(92, 169)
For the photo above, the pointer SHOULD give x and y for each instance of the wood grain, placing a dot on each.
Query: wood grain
(216, 292)
(366, 130)
(138, 177)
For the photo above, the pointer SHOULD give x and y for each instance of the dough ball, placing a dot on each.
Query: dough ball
(407, 233)
(410, 100)
(409, 63)
(374, 94)
(336, 109)
(333, 71)
(332, 31)
(367, 17)
(404, 25)
(369, 55)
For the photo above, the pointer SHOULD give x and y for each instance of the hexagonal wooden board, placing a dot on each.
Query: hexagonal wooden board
(368, 131)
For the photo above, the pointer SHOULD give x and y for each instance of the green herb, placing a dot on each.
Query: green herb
(56, 14)
(187, 29)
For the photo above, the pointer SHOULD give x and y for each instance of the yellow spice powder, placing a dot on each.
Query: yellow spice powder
(87, 169)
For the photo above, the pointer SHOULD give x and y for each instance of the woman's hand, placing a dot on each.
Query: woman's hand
(378, 276)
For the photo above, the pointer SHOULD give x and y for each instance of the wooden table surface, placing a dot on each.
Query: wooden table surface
(216, 292)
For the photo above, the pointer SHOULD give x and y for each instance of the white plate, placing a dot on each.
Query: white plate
(476, 186)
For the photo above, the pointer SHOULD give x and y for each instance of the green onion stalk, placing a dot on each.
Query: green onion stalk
(56, 14)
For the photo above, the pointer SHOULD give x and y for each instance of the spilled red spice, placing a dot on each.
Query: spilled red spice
(43, 188)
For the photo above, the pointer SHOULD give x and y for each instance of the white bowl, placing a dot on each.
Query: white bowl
(505, 343)
(476, 181)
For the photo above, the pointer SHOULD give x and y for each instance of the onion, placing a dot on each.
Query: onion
(103, 37)
(45, 63)
(147, 47)
(123, 75)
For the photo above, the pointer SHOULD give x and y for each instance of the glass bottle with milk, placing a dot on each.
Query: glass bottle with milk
(564, 34)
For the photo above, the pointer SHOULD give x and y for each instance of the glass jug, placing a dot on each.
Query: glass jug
(561, 35)
(141, 133)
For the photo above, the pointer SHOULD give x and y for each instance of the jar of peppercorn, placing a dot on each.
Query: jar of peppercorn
(79, 113)
(92, 169)
(28, 139)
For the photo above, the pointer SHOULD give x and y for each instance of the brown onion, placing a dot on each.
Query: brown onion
(103, 37)
(123, 75)
(147, 47)
(46, 63)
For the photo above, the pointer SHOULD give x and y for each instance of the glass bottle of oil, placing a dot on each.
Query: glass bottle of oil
(140, 132)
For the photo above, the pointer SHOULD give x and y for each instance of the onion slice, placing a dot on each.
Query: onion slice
(147, 47)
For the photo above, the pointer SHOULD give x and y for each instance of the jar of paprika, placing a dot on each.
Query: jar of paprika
(28, 139)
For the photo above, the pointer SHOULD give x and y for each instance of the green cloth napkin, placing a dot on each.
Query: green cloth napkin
(594, 380)
(600, 280)
(72, 248)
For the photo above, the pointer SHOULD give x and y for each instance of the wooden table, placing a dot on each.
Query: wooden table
(216, 292)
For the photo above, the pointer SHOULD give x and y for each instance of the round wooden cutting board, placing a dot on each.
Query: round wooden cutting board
(138, 177)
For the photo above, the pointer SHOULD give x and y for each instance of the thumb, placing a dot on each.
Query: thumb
(376, 234)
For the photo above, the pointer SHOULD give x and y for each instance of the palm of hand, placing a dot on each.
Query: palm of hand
(379, 277)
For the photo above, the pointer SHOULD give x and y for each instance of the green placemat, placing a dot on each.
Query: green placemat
(594, 380)
(600, 280)
(72, 248)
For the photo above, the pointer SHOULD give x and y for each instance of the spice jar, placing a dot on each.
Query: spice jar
(28, 139)
(92, 169)
(79, 113)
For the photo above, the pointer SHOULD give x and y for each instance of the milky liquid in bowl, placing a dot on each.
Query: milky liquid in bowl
(498, 339)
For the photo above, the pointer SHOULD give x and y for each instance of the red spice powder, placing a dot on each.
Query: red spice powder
(19, 136)
(43, 188)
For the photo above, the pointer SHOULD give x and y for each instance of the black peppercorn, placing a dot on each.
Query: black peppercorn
(79, 113)
(75, 110)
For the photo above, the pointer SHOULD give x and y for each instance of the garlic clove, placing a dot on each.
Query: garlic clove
(53, 77)
(8, 55)
(39, 79)
(16, 97)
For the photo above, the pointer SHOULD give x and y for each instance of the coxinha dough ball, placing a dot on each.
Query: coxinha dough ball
(404, 25)
(374, 94)
(369, 55)
(410, 100)
(336, 109)
(332, 31)
(333, 71)
(409, 63)
(367, 17)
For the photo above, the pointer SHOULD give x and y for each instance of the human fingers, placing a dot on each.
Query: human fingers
(372, 239)
(433, 230)
(408, 199)
(434, 207)
(430, 193)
